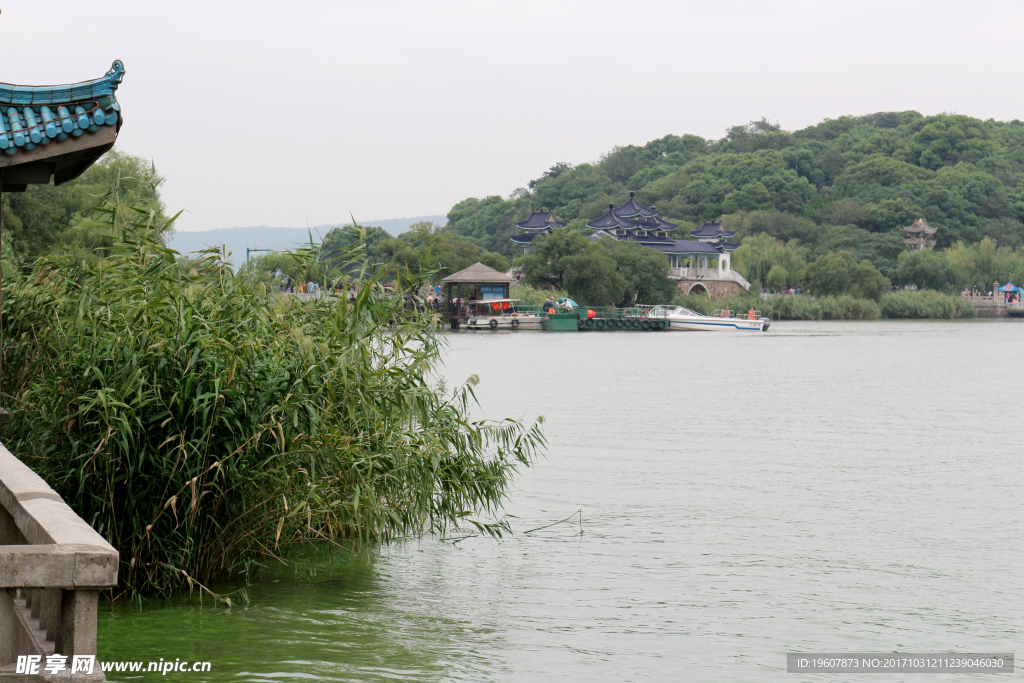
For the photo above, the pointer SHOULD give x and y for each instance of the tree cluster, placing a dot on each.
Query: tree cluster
(844, 186)
(599, 273)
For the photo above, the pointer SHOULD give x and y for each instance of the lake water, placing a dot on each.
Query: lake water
(823, 487)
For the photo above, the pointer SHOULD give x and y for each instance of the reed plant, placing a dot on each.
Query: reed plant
(202, 422)
(921, 304)
(926, 304)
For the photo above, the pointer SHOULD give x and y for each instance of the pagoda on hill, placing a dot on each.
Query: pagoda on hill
(714, 233)
(539, 223)
(919, 235)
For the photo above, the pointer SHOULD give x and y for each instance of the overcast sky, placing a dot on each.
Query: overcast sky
(297, 113)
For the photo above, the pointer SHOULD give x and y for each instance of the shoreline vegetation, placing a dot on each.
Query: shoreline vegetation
(920, 305)
(206, 426)
(894, 305)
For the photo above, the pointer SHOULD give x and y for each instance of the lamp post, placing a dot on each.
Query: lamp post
(252, 251)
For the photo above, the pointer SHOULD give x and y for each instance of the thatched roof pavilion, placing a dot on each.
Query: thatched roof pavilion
(487, 283)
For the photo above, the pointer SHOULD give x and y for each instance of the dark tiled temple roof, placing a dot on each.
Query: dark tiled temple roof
(631, 216)
(648, 238)
(692, 247)
(40, 115)
(709, 229)
(611, 220)
(526, 238)
(655, 223)
(729, 246)
(540, 219)
(920, 227)
(633, 208)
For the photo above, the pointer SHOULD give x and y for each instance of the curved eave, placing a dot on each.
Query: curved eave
(37, 95)
(56, 131)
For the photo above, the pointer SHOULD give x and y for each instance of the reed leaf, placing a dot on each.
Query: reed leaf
(202, 423)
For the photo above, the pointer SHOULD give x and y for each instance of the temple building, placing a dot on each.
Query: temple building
(700, 265)
(539, 223)
(919, 235)
(714, 233)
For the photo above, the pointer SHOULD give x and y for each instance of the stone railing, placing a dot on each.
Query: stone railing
(52, 568)
(709, 274)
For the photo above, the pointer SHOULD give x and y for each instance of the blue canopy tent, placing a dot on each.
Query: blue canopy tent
(1008, 287)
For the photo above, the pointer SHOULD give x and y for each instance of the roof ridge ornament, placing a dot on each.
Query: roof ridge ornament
(115, 74)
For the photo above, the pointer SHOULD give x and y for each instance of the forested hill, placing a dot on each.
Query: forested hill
(869, 174)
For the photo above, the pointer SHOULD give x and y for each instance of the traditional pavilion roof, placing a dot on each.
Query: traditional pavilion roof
(612, 220)
(633, 208)
(648, 238)
(919, 226)
(689, 247)
(526, 237)
(57, 130)
(540, 220)
(709, 229)
(478, 273)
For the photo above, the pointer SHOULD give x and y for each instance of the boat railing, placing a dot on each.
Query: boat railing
(729, 313)
(645, 311)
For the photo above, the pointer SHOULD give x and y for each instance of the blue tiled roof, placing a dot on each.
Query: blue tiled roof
(709, 229)
(39, 115)
(729, 246)
(540, 219)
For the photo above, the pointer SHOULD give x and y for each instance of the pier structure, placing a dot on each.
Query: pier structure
(478, 282)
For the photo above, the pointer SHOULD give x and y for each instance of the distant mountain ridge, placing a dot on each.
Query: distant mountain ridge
(278, 239)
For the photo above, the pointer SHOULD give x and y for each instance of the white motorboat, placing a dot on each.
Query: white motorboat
(498, 314)
(682, 319)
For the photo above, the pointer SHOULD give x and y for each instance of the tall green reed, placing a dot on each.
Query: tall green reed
(202, 422)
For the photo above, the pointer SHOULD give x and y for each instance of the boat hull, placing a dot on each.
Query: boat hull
(505, 322)
(707, 324)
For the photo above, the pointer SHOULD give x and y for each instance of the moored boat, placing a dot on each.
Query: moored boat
(683, 319)
(495, 314)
